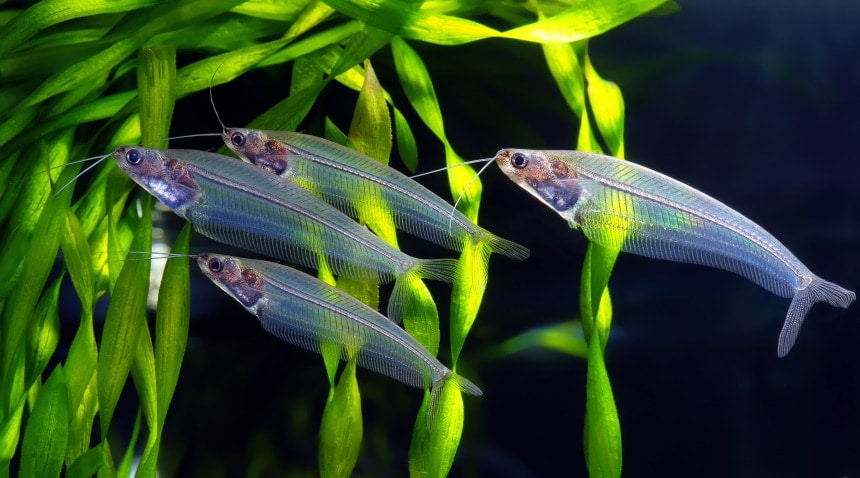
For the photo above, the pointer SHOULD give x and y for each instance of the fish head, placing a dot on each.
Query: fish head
(169, 180)
(546, 177)
(258, 148)
(242, 283)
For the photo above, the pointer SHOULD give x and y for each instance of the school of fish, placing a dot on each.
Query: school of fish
(294, 197)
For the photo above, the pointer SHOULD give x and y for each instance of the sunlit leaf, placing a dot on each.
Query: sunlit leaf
(341, 427)
(126, 317)
(47, 431)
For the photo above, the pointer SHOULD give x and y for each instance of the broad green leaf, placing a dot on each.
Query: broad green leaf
(156, 82)
(44, 331)
(608, 108)
(87, 465)
(172, 321)
(46, 13)
(143, 372)
(341, 427)
(370, 131)
(370, 134)
(10, 429)
(80, 369)
(83, 71)
(420, 315)
(39, 258)
(314, 12)
(602, 428)
(126, 317)
(437, 433)
(563, 62)
(283, 11)
(583, 20)
(47, 429)
(78, 258)
(470, 282)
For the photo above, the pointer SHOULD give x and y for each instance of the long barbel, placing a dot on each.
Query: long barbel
(239, 204)
(344, 177)
(617, 202)
(306, 312)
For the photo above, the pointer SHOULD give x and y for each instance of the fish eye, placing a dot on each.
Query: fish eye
(519, 160)
(238, 139)
(215, 265)
(133, 157)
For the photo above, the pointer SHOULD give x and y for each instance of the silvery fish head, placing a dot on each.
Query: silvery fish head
(258, 148)
(242, 283)
(169, 180)
(545, 177)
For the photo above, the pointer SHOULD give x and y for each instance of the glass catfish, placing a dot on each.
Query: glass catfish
(617, 202)
(306, 312)
(344, 177)
(239, 204)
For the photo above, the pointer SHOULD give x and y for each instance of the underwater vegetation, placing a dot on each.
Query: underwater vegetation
(107, 371)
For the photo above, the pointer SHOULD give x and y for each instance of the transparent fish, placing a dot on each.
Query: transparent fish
(306, 312)
(617, 202)
(239, 204)
(344, 177)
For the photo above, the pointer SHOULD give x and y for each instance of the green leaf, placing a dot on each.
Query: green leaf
(608, 107)
(126, 317)
(435, 439)
(602, 428)
(44, 331)
(406, 145)
(143, 372)
(47, 430)
(80, 369)
(83, 71)
(420, 315)
(156, 82)
(564, 337)
(78, 258)
(172, 322)
(470, 282)
(88, 464)
(341, 428)
(46, 13)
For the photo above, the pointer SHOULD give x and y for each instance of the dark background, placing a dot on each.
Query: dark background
(752, 102)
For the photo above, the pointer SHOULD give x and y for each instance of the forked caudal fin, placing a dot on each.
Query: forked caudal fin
(819, 290)
(434, 269)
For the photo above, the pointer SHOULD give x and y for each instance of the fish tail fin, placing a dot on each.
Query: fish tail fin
(505, 247)
(819, 290)
(463, 385)
(435, 269)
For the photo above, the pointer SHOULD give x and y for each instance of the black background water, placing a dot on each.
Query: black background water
(752, 102)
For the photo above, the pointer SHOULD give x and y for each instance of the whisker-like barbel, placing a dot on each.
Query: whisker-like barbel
(617, 202)
(306, 312)
(464, 163)
(344, 177)
(239, 204)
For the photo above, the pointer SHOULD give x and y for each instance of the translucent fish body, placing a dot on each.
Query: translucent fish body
(239, 204)
(306, 312)
(619, 203)
(344, 178)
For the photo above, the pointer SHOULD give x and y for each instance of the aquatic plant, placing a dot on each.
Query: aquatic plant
(78, 78)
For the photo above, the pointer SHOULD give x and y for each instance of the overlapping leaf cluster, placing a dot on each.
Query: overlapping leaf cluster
(79, 77)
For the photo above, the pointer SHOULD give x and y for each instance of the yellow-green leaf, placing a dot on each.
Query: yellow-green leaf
(47, 431)
(341, 428)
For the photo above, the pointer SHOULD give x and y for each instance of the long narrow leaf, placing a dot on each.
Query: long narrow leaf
(47, 430)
